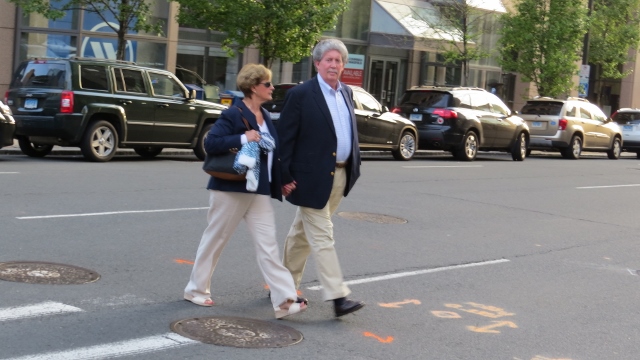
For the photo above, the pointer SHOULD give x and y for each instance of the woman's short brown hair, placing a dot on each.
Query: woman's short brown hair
(251, 75)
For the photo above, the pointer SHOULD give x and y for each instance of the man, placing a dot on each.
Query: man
(320, 159)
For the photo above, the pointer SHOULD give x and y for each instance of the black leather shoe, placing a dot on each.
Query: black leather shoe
(347, 307)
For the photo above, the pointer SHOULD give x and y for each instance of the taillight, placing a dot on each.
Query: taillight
(562, 124)
(66, 102)
(396, 110)
(6, 97)
(445, 113)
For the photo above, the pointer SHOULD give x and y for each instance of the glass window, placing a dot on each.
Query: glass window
(627, 117)
(41, 74)
(367, 101)
(464, 101)
(93, 77)
(142, 52)
(37, 45)
(542, 108)
(165, 85)
(585, 114)
(159, 12)
(480, 101)
(354, 22)
(130, 80)
(596, 113)
(68, 22)
(497, 106)
(427, 98)
(571, 111)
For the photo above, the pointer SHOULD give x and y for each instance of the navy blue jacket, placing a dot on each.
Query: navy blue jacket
(308, 145)
(225, 135)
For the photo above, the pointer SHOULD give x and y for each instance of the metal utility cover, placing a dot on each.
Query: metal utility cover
(237, 332)
(35, 272)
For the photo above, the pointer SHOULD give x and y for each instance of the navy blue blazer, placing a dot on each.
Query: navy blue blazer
(308, 145)
(225, 135)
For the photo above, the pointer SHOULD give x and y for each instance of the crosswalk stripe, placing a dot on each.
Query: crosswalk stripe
(45, 308)
(116, 349)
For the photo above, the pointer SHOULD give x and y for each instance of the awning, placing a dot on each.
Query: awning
(409, 24)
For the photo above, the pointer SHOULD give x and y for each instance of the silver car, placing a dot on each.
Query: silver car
(570, 126)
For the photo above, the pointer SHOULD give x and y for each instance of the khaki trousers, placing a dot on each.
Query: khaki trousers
(226, 209)
(312, 230)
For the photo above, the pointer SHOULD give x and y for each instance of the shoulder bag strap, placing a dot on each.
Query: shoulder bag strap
(246, 123)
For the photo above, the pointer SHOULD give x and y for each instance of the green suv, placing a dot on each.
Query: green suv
(100, 105)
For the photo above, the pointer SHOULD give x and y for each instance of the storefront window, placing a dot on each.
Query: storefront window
(142, 52)
(94, 22)
(38, 45)
(354, 22)
(68, 22)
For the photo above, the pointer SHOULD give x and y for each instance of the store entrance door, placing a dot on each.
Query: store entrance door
(383, 81)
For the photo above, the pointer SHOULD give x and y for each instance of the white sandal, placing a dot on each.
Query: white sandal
(199, 300)
(294, 308)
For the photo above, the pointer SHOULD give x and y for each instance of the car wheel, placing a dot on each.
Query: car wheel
(199, 149)
(616, 149)
(406, 147)
(148, 151)
(519, 150)
(100, 142)
(574, 149)
(469, 148)
(33, 150)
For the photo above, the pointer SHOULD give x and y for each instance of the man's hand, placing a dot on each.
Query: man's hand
(288, 188)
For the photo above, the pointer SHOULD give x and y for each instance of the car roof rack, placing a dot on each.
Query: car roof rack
(103, 60)
(448, 87)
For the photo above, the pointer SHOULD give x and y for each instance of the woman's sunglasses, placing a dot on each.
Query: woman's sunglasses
(266, 84)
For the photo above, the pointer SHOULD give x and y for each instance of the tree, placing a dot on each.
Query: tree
(543, 42)
(614, 30)
(284, 29)
(129, 14)
(462, 26)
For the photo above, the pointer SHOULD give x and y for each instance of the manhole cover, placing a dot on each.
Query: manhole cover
(376, 218)
(34, 272)
(237, 332)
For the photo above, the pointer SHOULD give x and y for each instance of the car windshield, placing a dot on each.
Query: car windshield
(41, 74)
(430, 99)
(280, 92)
(542, 108)
(627, 118)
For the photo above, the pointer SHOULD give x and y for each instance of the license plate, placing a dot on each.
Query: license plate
(415, 117)
(275, 116)
(31, 104)
(536, 124)
(627, 127)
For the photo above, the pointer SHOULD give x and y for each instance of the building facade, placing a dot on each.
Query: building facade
(392, 44)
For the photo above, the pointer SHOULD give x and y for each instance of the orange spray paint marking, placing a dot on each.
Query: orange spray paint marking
(489, 328)
(397, 304)
(389, 339)
(446, 314)
(183, 261)
(266, 287)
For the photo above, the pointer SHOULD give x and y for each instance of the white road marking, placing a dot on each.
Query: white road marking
(440, 166)
(606, 186)
(107, 213)
(45, 308)
(116, 349)
(418, 272)
(9, 172)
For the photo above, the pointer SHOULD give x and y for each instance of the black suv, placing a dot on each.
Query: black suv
(100, 105)
(464, 120)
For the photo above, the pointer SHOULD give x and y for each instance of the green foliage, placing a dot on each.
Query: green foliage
(130, 14)
(284, 29)
(543, 41)
(615, 28)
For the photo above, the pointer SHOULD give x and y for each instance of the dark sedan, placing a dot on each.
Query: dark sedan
(7, 125)
(378, 128)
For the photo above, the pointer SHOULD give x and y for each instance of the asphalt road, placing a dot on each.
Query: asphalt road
(533, 260)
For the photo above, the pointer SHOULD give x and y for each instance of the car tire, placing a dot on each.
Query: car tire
(469, 148)
(147, 151)
(33, 150)
(199, 150)
(616, 149)
(575, 148)
(406, 147)
(519, 150)
(100, 142)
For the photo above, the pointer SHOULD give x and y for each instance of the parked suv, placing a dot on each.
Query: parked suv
(629, 120)
(571, 126)
(100, 105)
(464, 120)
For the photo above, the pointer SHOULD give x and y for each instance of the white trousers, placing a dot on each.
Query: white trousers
(226, 209)
(312, 229)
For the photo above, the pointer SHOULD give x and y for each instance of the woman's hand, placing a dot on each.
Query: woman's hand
(252, 135)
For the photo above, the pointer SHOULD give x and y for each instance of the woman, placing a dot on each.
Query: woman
(230, 201)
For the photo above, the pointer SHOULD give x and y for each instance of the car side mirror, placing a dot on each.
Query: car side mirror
(385, 108)
(192, 95)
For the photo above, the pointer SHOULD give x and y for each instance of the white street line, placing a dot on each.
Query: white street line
(440, 166)
(9, 172)
(606, 186)
(418, 272)
(106, 213)
(45, 308)
(116, 349)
